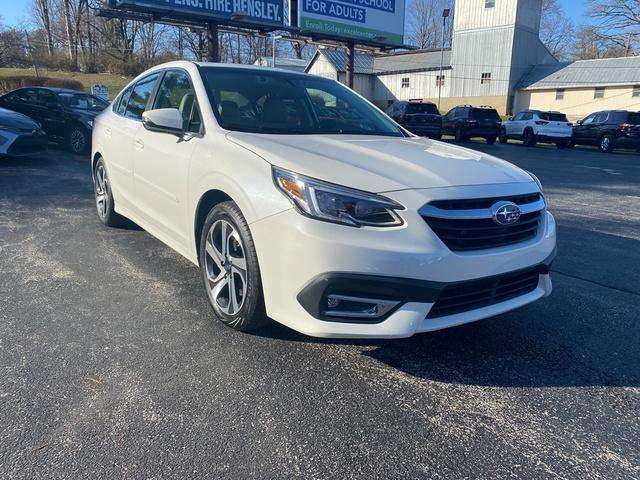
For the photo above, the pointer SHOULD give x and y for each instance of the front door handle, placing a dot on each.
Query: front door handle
(139, 144)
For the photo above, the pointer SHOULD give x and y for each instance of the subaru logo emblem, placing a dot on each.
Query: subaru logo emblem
(505, 213)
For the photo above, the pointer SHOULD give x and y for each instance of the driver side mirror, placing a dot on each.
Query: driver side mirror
(163, 120)
(579, 122)
(511, 119)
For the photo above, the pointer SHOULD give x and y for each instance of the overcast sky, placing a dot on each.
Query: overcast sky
(16, 12)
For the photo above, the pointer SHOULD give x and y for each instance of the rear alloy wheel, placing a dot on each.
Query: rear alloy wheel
(490, 140)
(529, 138)
(606, 144)
(230, 270)
(78, 140)
(503, 136)
(104, 197)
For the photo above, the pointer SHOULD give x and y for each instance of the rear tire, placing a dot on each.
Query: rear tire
(607, 143)
(529, 138)
(104, 196)
(503, 136)
(460, 136)
(230, 271)
(490, 140)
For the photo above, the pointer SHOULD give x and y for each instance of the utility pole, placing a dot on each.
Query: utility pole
(445, 14)
(213, 47)
(350, 62)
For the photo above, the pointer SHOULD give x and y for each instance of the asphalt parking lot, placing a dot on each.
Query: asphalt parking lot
(111, 365)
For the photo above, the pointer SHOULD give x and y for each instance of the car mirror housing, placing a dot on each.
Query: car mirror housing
(579, 122)
(163, 120)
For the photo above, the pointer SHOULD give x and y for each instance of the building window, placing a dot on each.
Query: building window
(636, 91)
(599, 92)
(405, 82)
(486, 79)
(560, 94)
(439, 80)
(489, 3)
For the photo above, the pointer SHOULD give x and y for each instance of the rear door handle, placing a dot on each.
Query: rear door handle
(139, 144)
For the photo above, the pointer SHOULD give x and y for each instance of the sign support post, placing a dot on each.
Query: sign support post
(350, 61)
(213, 48)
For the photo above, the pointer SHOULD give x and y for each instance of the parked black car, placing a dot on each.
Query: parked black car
(66, 115)
(20, 135)
(420, 118)
(465, 122)
(609, 130)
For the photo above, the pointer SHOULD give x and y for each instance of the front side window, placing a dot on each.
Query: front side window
(518, 117)
(140, 97)
(83, 101)
(282, 103)
(47, 99)
(176, 91)
(589, 120)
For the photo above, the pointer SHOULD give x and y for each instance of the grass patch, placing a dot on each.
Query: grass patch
(114, 83)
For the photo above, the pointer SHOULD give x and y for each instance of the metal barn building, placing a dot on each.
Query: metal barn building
(496, 59)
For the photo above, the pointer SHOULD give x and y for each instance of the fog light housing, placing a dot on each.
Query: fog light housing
(346, 306)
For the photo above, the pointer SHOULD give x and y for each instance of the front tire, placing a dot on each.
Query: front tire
(503, 136)
(529, 138)
(606, 144)
(230, 271)
(460, 136)
(490, 140)
(78, 140)
(104, 196)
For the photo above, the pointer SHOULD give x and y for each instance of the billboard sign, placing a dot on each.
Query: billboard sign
(255, 12)
(380, 21)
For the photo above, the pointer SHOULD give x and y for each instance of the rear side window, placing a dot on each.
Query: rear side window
(553, 117)
(484, 114)
(27, 95)
(634, 118)
(140, 97)
(422, 108)
(124, 99)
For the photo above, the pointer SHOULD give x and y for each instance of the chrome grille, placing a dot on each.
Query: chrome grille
(468, 225)
(466, 296)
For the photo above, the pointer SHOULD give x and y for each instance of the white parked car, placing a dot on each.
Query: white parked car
(302, 202)
(534, 126)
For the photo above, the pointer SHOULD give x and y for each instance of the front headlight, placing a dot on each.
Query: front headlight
(333, 203)
(537, 180)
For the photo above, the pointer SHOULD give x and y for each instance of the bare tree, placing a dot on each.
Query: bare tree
(425, 23)
(557, 31)
(618, 23)
(41, 12)
(590, 44)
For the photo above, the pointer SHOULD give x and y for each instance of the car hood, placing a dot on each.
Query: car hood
(11, 119)
(380, 164)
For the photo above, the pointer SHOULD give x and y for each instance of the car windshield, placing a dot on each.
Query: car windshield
(82, 101)
(553, 117)
(484, 114)
(282, 103)
(422, 108)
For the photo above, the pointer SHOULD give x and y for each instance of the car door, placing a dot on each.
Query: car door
(511, 126)
(581, 129)
(161, 160)
(595, 129)
(50, 114)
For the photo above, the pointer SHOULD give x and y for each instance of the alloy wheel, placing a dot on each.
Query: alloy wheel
(605, 145)
(226, 267)
(102, 191)
(77, 141)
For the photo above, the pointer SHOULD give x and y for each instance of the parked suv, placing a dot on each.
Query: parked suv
(324, 216)
(467, 122)
(533, 126)
(609, 130)
(66, 115)
(420, 118)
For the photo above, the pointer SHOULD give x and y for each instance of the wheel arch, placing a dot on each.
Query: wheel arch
(208, 200)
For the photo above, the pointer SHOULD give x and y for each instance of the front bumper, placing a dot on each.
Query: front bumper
(22, 143)
(298, 255)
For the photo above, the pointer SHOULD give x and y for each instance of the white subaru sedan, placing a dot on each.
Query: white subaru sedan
(302, 202)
